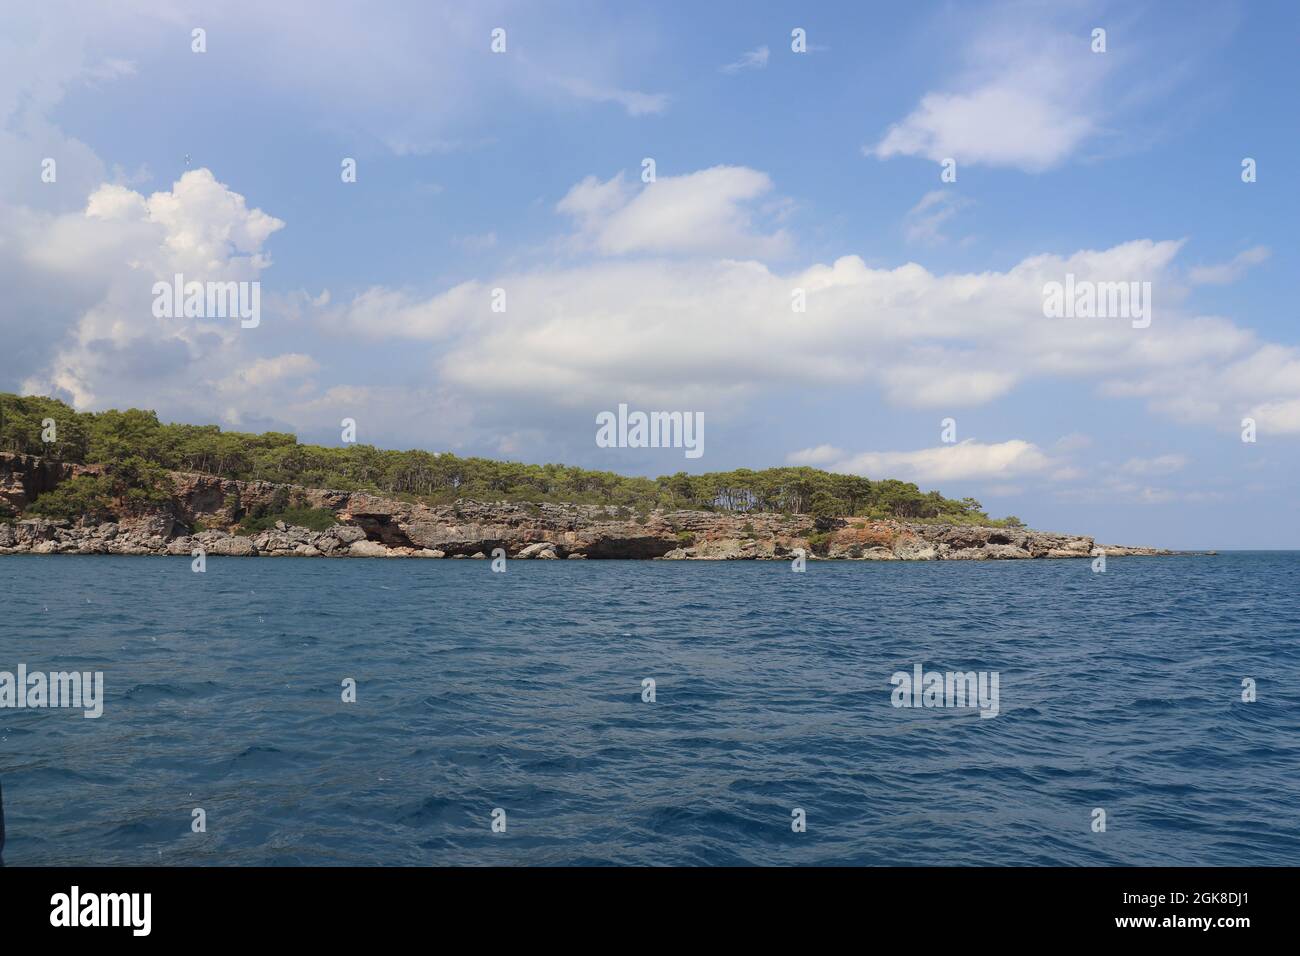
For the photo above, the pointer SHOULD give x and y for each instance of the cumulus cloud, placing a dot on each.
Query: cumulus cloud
(113, 345)
(1029, 98)
(707, 212)
(711, 330)
(659, 317)
(996, 125)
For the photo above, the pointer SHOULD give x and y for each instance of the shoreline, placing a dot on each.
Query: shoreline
(201, 512)
(714, 539)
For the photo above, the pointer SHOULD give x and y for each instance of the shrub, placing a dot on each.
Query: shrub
(234, 507)
(83, 496)
(313, 519)
(138, 484)
(820, 542)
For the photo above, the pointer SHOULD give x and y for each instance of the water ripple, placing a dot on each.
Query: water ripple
(523, 692)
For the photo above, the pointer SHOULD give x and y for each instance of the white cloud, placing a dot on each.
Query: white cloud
(379, 313)
(961, 461)
(935, 380)
(1030, 98)
(264, 372)
(1279, 418)
(706, 212)
(113, 349)
(634, 103)
(820, 455)
(708, 330)
(1228, 272)
(994, 126)
(680, 324)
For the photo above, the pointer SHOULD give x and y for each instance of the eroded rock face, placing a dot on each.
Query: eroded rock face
(373, 526)
(23, 478)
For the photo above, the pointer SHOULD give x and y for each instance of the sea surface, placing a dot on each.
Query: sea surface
(522, 691)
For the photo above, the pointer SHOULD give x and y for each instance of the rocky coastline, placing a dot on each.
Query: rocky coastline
(198, 518)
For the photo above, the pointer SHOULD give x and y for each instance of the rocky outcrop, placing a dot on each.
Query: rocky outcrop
(23, 478)
(476, 530)
(374, 526)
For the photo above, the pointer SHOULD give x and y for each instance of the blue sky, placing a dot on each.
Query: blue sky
(775, 170)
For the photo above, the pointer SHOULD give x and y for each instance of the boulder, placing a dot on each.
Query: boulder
(535, 550)
(368, 549)
(347, 533)
(914, 549)
(233, 546)
(34, 530)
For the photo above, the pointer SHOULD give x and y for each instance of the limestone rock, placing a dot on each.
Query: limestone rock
(535, 550)
(235, 546)
(367, 549)
(372, 525)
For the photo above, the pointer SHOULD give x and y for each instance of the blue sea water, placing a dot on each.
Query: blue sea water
(523, 691)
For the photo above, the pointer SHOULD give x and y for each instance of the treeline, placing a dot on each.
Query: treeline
(137, 446)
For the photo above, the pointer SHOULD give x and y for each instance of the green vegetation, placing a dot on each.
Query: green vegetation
(85, 495)
(135, 485)
(820, 542)
(136, 448)
(314, 519)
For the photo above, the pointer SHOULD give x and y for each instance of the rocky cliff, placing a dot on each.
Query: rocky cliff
(374, 526)
(25, 477)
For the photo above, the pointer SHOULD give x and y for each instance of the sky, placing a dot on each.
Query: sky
(796, 154)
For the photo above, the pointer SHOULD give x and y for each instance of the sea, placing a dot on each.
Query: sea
(300, 711)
